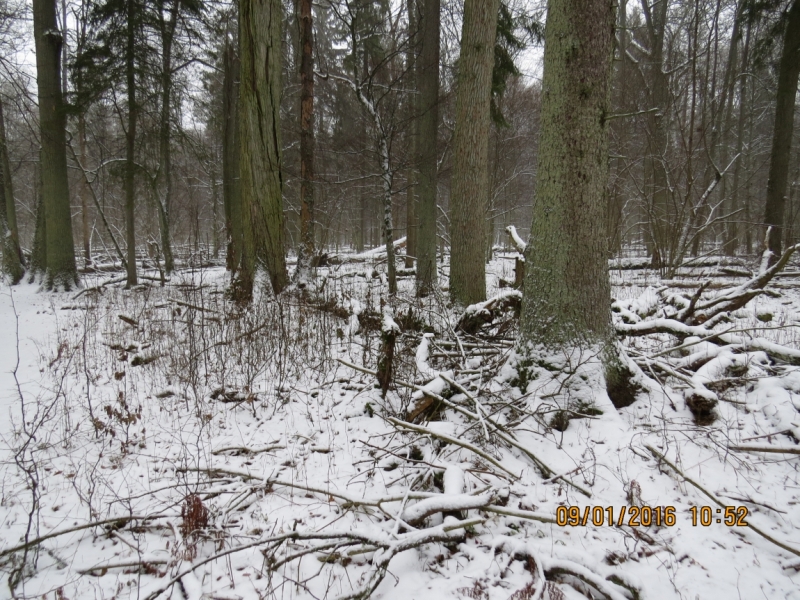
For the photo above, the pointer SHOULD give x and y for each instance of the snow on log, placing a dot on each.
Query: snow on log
(423, 355)
(445, 503)
(477, 315)
(518, 242)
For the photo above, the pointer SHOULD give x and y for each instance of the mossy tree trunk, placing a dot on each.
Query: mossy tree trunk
(13, 261)
(428, 120)
(60, 269)
(567, 291)
(260, 143)
(470, 180)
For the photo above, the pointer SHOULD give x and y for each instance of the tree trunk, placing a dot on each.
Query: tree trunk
(428, 156)
(13, 261)
(60, 268)
(84, 194)
(662, 219)
(259, 128)
(470, 179)
(231, 190)
(788, 73)
(39, 251)
(567, 291)
(731, 226)
(307, 142)
(164, 187)
(130, 144)
(414, 38)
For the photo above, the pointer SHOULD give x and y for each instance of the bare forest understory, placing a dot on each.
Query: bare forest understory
(162, 442)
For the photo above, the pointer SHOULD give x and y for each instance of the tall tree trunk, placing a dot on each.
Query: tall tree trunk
(788, 73)
(13, 261)
(231, 189)
(614, 195)
(130, 143)
(414, 37)
(731, 226)
(663, 226)
(567, 289)
(259, 128)
(470, 180)
(428, 156)
(60, 268)
(306, 251)
(84, 192)
(164, 187)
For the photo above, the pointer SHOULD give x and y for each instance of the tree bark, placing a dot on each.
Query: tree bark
(428, 156)
(130, 143)
(470, 179)
(414, 38)
(13, 261)
(788, 73)
(732, 225)
(661, 215)
(567, 291)
(39, 251)
(231, 190)
(307, 142)
(60, 271)
(260, 146)
(164, 183)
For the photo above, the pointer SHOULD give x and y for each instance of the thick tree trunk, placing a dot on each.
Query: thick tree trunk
(130, 144)
(567, 291)
(470, 180)
(307, 142)
(259, 128)
(60, 268)
(428, 156)
(231, 190)
(788, 73)
(164, 187)
(13, 261)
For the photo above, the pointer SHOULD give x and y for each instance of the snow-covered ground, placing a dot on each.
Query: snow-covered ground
(236, 454)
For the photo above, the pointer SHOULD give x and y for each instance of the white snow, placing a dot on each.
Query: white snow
(298, 445)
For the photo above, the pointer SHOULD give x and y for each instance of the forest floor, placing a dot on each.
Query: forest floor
(163, 442)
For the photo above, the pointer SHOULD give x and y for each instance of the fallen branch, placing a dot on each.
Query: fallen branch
(775, 449)
(497, 429)
(451, 440)
(246, 450)
(119, 521)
